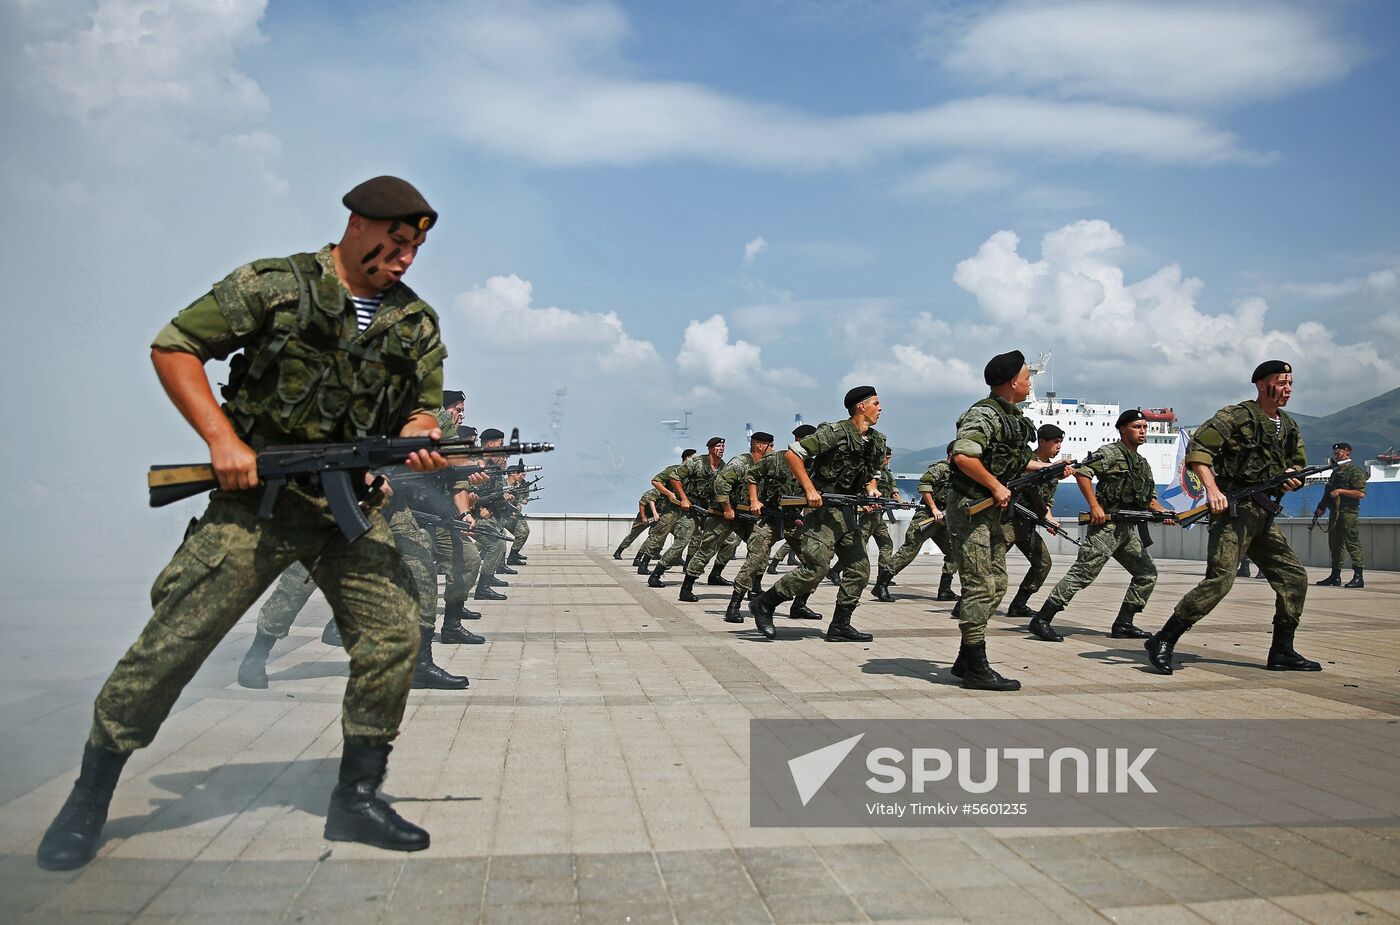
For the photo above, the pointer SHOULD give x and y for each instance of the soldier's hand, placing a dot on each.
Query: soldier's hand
(1002, 496)
(685, 504)
(235, 464)
(1219, 504)
(424, 460)
(756, 509)
(814, 498)
(1097, 515)
(1052, 520)
(937, 517)
(1292, 484)
(476, 478)
(729, 513)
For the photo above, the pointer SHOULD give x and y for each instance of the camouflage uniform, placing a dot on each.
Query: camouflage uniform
(668, 515)
(292, 382)
(996, 432)
(1124, 482)
(730, 484)
(697, 476)
(771, 479)
(922, 526)
(493, 550)
(1027, 539)
(839, 460)
(1343, 516)
(876, 524)
(1244, 446)
(641, 522)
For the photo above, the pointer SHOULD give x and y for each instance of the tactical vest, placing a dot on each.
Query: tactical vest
(848, 467)
(698, 479)
(1124, 481)
(936, 481)
(773, 479)
(1005, 456)
(312, 376)
(1253, 451)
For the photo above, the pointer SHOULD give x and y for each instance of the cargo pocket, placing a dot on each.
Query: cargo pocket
(183, 596)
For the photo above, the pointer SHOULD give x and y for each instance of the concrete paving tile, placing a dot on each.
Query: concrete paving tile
(912, 905)
(1331, 908)
(530, 891)
(624, 913)
(1245, 912)
(705, 910)
(1152, 915)
(811, 907)
(529, 914)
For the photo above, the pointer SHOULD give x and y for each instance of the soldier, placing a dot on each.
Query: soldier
(992, 447)
(493, 510)
(772, 480)
(1346, 486)
(1124, 482)
(843, 457)
(294, 381)
(520, 529)
(875, 524)
(1027, 538)
(1241, 445)
(646, 514)
(669, 513)
(929, 524)
(695, 489)
(732, 490)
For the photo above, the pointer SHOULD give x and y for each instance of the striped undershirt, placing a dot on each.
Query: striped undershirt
(365, 309)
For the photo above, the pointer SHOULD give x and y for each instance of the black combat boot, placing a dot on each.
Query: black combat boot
(773, 567)
(330, 634)
(617, 554)
(841, 629)
(732, 613)
(655, 580)
(791, 557)
(762, 608)
(1123, 627)
(1334, 579)
(1040, 626)
(484, 592)
(1356, 580)
(976, 675)
(957, 611)
(833, 575)
(252, 671)
(757, 588)
(1243, 570)
(504, 569)
(643, 564)
(453, 632)
(1017, 608)
(491, 581)
(427, 675)
(1160, 646)
(458, 610)
(358, 813)
(636, 560)
(881, 591)
(516, 558)
(945, 589)
(73, 836)
(688, 591)
(715, 578)
(800, 610)
(1282, 657)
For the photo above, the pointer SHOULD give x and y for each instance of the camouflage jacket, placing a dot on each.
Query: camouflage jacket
(995, 431)
(1351, 476)
(731, 484)
(935, 481)
(839, 459)
(1123, 478)
(698, 479)
(1244, 446)
(302, 371)
(773, 479)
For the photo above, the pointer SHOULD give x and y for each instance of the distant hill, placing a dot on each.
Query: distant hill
(917, 460)
(1371, 427)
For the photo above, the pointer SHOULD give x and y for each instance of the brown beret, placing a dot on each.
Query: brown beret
(391, 198)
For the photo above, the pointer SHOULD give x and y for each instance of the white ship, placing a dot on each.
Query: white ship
(1089, 425)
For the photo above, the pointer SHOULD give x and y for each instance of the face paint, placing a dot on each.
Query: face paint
(372, 254)
(370, 271)
(394, 228)
(389, 257)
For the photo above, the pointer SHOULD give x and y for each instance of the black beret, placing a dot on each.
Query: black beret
(1049, 432)
(466, 431)
(492, 433)
(1342, 446)
(760, 436)
(687, 453)
(858, 394)
(452, 397)
(803, 430)
(1268, 368)
(518, 467)
(1003, 367)
(391, 198)
(710, 443)
(1129, 416)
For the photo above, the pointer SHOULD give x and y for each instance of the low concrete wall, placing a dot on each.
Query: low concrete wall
(1380, 537)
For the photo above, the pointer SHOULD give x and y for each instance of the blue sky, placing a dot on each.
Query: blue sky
(737, 208)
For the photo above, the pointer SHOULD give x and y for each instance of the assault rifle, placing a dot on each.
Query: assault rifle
(458, 525)
(1141, 518)
(328, 465)
(1261, 493)
(1041, 521)
(1053, 472)
(741, 512)
(848, 504)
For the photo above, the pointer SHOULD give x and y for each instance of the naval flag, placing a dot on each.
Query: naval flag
(1185, 490)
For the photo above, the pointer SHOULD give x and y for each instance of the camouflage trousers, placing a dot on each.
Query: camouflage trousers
(980, 541)
(1120, 542)
(295, 587)
(493, 551)
(665, 524)
(1033, 546)
(878, 526)
(827, 532)
(521, 532)
(1248, 532)
(639, 526)
(1344, 532)
(459, 562)
(222, 568)
(923, 527)
(719, 540)
(683, 534)
(759, 542)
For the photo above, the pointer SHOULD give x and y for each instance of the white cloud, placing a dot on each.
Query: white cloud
(1152, 332)
(752, 249)
(706, 353)
(954, 178)
(1383, 284)
(909, 370)
(550, 84)
(500, 313)
(1189, 53)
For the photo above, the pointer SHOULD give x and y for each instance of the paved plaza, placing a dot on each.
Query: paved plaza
(597, 769)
